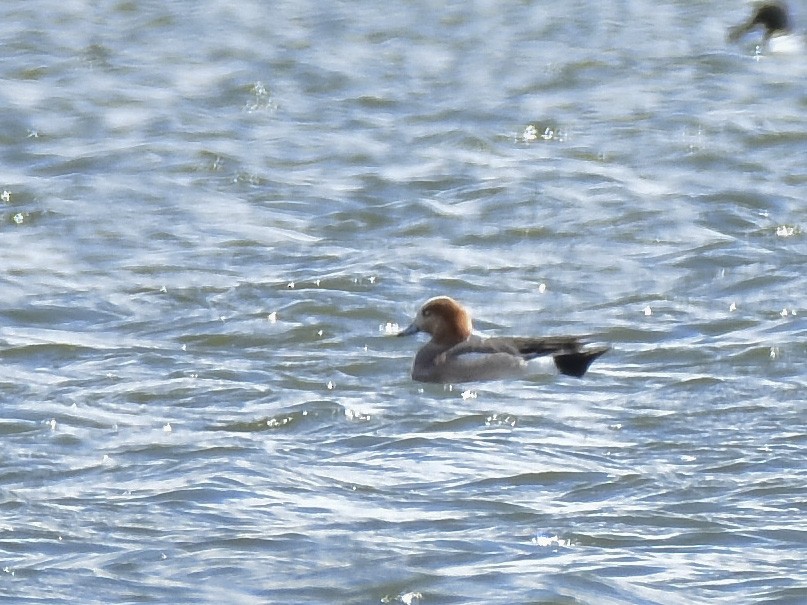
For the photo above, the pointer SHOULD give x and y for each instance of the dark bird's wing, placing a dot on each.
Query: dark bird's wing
(568, 352)
(530, 348)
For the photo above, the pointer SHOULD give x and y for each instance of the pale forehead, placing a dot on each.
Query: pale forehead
(446, 306)
(441, 300)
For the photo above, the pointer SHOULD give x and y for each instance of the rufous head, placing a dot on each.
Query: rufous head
(444, 318)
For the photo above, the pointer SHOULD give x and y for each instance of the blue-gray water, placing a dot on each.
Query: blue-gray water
(214, 213)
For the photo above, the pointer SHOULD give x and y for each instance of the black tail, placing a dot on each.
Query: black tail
(576, 364)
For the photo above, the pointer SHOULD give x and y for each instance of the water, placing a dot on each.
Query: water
(212, 213)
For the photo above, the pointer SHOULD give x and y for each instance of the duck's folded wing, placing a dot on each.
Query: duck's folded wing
(530, 348)
(527, 348)
(570, 355)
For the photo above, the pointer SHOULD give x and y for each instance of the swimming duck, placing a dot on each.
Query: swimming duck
(771, 16)
(454, 354)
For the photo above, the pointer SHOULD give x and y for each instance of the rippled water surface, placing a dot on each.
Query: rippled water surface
(214, 216)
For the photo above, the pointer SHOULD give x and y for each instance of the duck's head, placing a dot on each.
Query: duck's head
(444, 318)
(772, 16)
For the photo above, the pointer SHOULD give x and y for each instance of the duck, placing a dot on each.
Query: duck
(773, 18)
(456, 355)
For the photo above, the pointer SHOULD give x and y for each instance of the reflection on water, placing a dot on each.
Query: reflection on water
(215, 218)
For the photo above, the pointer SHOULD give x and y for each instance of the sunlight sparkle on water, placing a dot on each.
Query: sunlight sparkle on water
(356, 415)
(407, 598)
(545, 541)
(389, 328)
(786, 231)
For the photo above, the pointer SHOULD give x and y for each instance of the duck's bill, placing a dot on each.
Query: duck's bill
(412, 329)
(737, 32)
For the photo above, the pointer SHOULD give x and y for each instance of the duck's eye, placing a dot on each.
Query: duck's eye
(426, 312)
